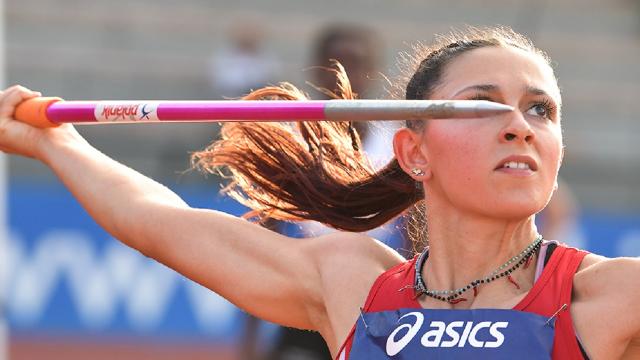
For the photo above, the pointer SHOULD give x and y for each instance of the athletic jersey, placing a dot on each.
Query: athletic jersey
(548, 296)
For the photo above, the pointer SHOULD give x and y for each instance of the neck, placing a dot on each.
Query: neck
(464, 247)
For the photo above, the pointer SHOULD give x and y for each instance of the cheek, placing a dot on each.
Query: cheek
(551, 150)
(455, 157)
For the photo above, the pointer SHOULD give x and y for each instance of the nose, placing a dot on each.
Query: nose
(517, 129)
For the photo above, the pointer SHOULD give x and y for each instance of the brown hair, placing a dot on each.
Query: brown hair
(315, 170)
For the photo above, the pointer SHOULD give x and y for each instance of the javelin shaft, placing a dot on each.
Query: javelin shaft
(56, 111)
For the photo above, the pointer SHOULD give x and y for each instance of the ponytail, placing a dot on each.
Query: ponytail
(307, 170)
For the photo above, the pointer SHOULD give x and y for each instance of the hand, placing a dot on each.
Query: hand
(17, 137)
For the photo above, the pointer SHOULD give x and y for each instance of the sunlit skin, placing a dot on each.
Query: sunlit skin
(465, 153)
(479, 215)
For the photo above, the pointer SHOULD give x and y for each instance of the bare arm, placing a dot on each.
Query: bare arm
(265, 273)
(605, 306)
(255, 268)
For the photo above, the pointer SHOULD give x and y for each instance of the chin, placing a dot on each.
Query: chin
(515, 214)
(513, 209)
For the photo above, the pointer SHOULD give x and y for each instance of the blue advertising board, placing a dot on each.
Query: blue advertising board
(65, 274)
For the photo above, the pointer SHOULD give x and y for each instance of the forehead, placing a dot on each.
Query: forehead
(507, 67)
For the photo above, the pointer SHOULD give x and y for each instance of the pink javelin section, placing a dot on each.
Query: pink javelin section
(78, 111)
(230, 110)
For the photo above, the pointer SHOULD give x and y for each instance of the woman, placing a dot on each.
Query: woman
(483, 181)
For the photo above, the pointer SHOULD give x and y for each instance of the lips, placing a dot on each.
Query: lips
(518, 162)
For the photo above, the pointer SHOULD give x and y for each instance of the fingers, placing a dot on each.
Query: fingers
(13, 96)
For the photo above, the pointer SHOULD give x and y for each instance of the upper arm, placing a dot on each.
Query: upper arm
(606, 292)
(293, 282)
(264, 273)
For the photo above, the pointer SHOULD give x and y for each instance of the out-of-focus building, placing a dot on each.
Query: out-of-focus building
(243, 62)
(160, 50)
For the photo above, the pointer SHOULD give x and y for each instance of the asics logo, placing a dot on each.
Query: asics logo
(458, 334)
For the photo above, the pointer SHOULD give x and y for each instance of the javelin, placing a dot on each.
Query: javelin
(50, 112)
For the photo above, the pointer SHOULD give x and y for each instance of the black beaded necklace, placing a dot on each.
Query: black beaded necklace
(453, 296)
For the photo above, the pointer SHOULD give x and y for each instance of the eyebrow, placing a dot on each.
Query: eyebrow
(535, 91)
(482, 87)
(491, 87)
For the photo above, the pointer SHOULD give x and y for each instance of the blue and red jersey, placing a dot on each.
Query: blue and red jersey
(390, 319)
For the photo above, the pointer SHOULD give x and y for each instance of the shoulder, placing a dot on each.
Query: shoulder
(355, 249)
(352, 260)
(598, 274)
(606, 292)
(347, 264)
(599, 277)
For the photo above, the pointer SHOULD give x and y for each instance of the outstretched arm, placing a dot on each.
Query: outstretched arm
(267, 274)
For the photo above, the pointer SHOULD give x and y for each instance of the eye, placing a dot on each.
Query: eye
(542, 109)
(538, 110)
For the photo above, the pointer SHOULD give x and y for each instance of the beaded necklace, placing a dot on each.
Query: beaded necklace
(453, 296)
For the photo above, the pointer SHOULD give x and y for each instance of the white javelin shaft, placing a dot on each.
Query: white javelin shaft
(411, 109)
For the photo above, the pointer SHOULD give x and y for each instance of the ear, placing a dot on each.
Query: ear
(410, 154)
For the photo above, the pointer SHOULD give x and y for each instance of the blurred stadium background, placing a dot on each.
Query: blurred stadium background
(69, 291)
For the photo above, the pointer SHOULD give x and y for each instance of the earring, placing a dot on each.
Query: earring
(417, 172)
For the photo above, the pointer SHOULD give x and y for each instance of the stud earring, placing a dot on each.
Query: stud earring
(417, 172)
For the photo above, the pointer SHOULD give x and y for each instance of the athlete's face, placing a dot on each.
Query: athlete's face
(505, 165)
